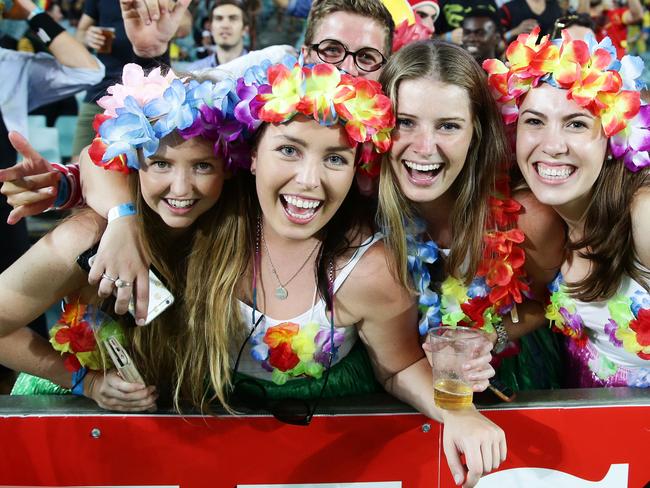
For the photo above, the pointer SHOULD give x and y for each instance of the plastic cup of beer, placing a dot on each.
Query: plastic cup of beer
(451, 348)
(109, 35)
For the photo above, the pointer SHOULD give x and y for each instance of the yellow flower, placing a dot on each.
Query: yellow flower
(303, 343)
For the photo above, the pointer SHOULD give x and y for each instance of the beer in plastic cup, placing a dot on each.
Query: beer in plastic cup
(451, 348)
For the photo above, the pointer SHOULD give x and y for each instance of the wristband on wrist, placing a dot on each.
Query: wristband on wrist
(448, 37)
(44, 26)
(122, 210)
(63, 192)
(78, 381)
(35, 12)
(502, 338)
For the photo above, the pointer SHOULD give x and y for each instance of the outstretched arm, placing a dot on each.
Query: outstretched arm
(41, 277)
(387, 323)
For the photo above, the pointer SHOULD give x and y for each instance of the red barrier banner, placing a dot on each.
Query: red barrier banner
(604, 447)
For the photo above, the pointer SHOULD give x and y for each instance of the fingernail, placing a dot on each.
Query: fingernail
(50, 191)
(140, 321)
(458, 479)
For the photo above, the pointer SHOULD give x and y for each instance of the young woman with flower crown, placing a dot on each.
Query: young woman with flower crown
(169, 130)
(316, 276)
(582, 146)
(475, 256)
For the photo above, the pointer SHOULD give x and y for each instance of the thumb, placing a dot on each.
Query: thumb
(453, 461)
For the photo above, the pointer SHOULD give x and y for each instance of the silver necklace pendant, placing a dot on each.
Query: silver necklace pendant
(281, 293)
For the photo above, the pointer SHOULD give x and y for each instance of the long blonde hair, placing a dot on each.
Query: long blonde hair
(186, 350)
(488, 152)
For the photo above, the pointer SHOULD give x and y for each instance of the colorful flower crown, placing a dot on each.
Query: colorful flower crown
(593, 77)
(279, 92)
(144, 109)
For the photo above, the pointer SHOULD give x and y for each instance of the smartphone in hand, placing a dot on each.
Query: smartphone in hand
(160, 298)
(122, 361)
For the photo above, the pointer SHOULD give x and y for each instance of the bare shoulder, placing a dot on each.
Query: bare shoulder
(371, 288)
(641, 225)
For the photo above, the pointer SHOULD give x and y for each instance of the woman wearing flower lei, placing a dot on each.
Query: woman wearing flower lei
(582, 146)
(181, 138)
(476, 257)
(316, 277)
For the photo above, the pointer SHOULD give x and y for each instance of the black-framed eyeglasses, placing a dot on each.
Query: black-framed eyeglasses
(294, 411)
(331, 51)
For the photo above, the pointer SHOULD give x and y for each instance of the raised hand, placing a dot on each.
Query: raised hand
(151, 24)
(31, 186)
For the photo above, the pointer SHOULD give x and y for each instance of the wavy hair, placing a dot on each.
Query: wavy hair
(487, 155)
(607, 241)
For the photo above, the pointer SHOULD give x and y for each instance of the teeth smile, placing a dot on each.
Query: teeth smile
(554, 173)
(180, 203)
(422, 167)
(300, 203)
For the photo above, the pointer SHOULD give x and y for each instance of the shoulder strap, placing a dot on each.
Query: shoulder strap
(342, 275)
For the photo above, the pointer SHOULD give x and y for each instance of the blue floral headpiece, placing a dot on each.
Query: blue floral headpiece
(145, 108)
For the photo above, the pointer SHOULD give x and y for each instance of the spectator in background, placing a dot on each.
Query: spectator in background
(427, 10)
(578, 25)
(481, 33)
(99, 14)
(612, 20)
(230, 22)
(522, 16)
(353, 35)
(452, 12)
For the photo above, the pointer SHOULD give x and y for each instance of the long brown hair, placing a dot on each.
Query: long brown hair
(488, 152)
(607, 241)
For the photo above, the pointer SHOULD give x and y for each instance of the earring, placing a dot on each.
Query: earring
(609, 157)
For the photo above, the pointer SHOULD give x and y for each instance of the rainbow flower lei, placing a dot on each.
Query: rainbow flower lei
(288, 350)
(77, 332)
(628, 326)
(279, 92)
(500, 282)
(145, 108)
(593, 77)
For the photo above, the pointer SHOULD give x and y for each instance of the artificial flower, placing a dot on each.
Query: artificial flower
(143, 88)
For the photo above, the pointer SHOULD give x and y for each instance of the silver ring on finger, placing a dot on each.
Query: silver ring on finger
(120, 283)
(109, 277)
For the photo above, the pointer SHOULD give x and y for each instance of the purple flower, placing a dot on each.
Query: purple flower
(324, 346)
(573, 321)
(246, 110)
(633, 143)
(610, 330)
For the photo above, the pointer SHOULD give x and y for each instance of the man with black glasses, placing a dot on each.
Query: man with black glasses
(354, 35)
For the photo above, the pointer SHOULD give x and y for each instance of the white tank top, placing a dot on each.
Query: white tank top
(263, 358)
